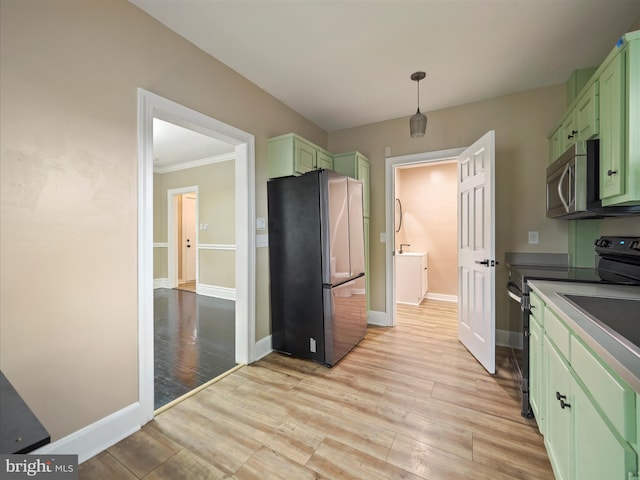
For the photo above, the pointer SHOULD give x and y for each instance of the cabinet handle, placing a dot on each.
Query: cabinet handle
(562, 399)
(612, 172)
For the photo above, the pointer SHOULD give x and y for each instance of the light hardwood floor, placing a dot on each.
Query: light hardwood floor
(407, 403)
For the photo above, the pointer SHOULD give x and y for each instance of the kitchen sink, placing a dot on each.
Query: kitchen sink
(620, 317)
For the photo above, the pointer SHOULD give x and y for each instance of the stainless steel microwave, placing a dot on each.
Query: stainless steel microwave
(573, 185)
(572, 182)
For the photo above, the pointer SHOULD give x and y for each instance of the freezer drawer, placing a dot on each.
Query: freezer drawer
(345, 323)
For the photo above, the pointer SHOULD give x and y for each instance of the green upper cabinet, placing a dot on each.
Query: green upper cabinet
(612, 137)
(582, 121)
(355, 165)
(555, 145)
(293, 155)
(608, 108)
(586, 114)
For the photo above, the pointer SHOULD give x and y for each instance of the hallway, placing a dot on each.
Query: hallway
(194, 341)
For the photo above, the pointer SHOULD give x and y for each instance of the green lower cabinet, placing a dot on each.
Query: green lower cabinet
(559, 426)
(599, 453)
(588, 415)
(535, 366)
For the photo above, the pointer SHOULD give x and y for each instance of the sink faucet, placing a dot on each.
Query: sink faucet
(403, 245)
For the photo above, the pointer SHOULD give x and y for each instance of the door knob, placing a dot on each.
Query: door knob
(483, 262)
(612, 172)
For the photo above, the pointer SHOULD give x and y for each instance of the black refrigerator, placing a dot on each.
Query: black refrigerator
(316, 265)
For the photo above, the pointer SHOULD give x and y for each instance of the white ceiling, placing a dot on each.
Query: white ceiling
(345, 63)
(175, 145)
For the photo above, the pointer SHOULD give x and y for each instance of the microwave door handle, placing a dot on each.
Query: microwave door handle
(562, 199)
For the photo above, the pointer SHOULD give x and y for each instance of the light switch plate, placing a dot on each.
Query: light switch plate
(262, 240)
(260, 223)
(383, 237)
(533, 237)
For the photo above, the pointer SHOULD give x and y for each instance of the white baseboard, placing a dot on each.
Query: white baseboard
(160, 283)
(97, 437)
(218, 292)
(442, 297)
(262, 348)
(378, 319)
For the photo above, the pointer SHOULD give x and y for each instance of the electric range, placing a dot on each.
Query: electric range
(618, 263)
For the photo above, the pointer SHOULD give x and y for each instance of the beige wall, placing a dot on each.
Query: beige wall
(68, 186)
(522, 122)
(216, 207)
(429, 220)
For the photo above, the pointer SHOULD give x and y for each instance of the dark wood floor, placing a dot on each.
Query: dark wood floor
(194, 341)
(407, 403)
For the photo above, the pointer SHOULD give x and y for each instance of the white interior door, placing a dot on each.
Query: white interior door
(189, 237)
(476, 250)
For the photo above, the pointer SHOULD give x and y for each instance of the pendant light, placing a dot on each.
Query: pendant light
(418, 122)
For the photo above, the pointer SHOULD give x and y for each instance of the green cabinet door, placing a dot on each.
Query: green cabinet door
(612, 133)
(555, 145)
(355, 165)
(304, 157)
(535, 377)
(586, 114)
(324, 160)
(559, 426)
(569, 132)
(293, 155)
(599, 453)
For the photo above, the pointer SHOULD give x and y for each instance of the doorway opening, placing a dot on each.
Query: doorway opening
(150, 107)
(408, 220)
(475, 242)
(425, 232)
(187, 241)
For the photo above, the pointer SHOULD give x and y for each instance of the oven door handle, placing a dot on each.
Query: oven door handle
(514, 292)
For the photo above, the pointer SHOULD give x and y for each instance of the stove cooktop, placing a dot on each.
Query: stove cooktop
(519, 274)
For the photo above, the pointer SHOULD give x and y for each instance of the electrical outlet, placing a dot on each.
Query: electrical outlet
(533, 238)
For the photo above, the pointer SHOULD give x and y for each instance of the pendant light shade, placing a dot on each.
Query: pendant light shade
(418, 122)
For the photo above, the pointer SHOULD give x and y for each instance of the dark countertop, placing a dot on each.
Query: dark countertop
(20, 430)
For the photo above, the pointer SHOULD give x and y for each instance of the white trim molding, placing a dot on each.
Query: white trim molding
(225, 293)
(263, 347)
(225, 157)
(379, 319)
(215, 246)
(98, 436)
(161, 283)
(443, 297)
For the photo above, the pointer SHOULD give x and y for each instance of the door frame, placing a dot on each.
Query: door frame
(151, 105)
(390, 195)
(173, 274)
